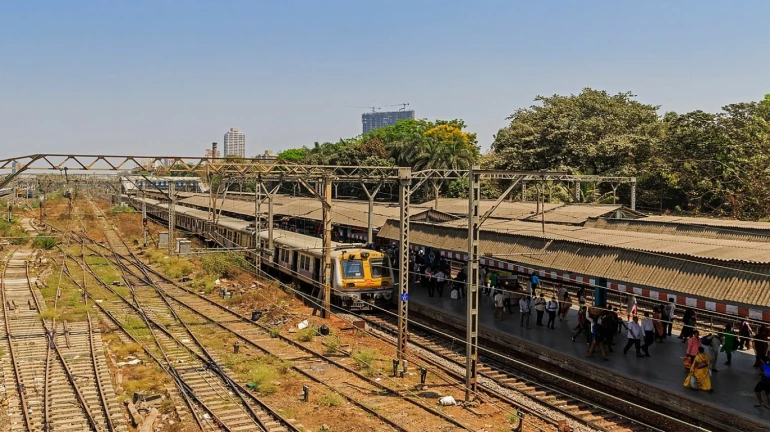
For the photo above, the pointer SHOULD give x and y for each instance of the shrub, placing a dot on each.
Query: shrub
(329, 399)
(263, 376)
(307, 334)
(365, 358)
(274, 332)
(332, 344)
(226, 264)
(43, 241)
(118, 209)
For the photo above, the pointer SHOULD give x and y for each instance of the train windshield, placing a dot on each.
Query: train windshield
(379, 268)
(353, 268)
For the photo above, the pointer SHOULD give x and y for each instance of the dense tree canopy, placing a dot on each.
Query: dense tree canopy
(696, 162)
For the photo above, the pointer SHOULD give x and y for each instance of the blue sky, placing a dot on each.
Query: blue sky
(169, 77)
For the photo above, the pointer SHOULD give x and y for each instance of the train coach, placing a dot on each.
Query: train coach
(362, 279)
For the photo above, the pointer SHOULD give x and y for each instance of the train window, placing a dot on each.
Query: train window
(353, 268)
(379, 268)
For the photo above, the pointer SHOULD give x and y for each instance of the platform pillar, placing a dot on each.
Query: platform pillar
(327, 245)
(404, 186)
(472, 299)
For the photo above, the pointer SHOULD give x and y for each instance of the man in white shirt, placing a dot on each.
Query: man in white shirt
(551, 307)
(668, 315)
(540, 309)
(648, 327)
(440, 280)
(524, 309)
(482, 279)
(499, 305)
(634, 337)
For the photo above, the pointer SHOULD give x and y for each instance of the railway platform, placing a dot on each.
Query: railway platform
(733, 385)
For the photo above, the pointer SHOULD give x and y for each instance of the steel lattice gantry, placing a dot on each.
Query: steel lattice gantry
(308, 176)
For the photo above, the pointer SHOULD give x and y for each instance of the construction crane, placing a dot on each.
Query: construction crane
(402, 105)
(374, 109)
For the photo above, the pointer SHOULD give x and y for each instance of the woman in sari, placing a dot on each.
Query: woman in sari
(564, 306)
(657, 319)
(699, 377)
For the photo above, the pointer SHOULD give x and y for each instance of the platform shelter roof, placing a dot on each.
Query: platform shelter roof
(573, 252)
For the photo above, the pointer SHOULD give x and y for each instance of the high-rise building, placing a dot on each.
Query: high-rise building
(376, 120)
(235, 143)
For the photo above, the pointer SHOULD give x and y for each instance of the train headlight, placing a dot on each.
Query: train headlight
(351, 285)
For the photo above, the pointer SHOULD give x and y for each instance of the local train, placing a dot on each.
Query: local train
(362, 279)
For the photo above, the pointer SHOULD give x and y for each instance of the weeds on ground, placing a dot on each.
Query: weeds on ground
(261, 372)
(121, 209)
(365, 359)
(15, 233)
(332, 343)
(224, 264)
(308, 333)
(329, 399)
(274, 332)
(173, 267)
(45, 241)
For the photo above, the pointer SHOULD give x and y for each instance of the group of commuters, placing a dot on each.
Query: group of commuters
(600, 326)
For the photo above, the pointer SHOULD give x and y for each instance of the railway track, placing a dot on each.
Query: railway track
(494, 373)
(61, 380)
(331, 373)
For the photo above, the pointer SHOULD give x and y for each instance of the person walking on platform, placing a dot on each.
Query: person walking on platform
(699, 377)
(617, 321)
(610, 322)
(763, 385)
(597, 340)
(482, 280)
(560, 291)
(583, 326)
(540, 309)
(657, 321)
(712, 341)
(499, 306)
(631, 307)
(634, 337)
(581, 296)
(730, 344)
(492, 282)
(440, 281)
(668, 315)
(552, 307)
(693, 343)
(534, 284)
(564, 306)
(524, 310)
(760, 346)
(428, 281)
(689, 324)
(649, 333)
(746, 333)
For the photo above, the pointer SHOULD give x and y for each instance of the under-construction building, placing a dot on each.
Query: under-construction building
(376, 120)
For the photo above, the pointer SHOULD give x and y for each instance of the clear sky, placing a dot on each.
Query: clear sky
(169, 77)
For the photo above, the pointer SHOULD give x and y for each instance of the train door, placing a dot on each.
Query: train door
(317, 270)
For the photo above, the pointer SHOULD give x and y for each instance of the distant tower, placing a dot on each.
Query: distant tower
(235, 143)
(376, 120)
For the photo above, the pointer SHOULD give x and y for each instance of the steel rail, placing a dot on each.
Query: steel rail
(16, 372)
(295, 344)
(70, 377)
(165, 367)
(99, 387)
(210, 362)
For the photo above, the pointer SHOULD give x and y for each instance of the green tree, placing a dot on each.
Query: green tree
(591, 133)
(294, 154)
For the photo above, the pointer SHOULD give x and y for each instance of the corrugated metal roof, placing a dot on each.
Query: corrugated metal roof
(690, 247)
(657, 226)
(726, 223)
(615, 263)
(576, 214)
